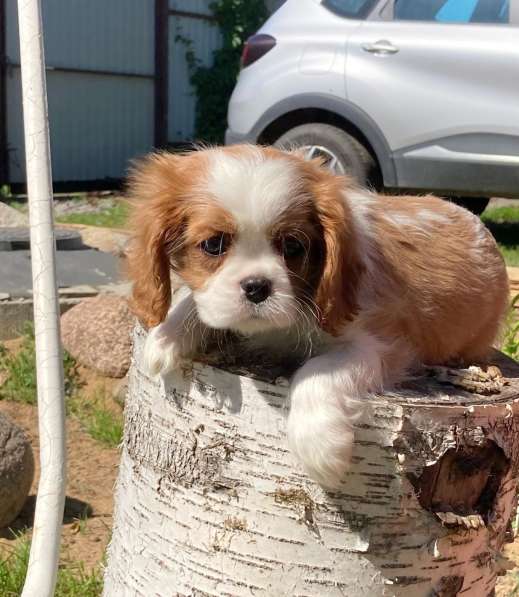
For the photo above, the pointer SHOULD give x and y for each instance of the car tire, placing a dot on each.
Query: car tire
(476, 205)
(328, 141)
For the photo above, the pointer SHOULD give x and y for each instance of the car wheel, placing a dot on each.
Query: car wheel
(342, 152)
(476, 205)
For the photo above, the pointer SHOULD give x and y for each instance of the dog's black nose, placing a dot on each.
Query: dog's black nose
(256, 289)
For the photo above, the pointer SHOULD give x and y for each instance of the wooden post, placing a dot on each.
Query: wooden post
(210, 502)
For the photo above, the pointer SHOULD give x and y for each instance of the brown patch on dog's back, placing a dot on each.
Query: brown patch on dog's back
(442, 283)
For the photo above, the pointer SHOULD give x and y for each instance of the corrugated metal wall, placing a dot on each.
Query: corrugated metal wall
(101, 81)
(98, 119)
(205, 36)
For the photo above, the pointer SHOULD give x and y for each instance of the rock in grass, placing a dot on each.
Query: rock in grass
(16, 470)
(96, 332)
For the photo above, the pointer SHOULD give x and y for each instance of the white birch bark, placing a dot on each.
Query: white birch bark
(210, 502)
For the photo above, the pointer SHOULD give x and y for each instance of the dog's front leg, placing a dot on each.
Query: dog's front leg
(176, 338)
(326, 398)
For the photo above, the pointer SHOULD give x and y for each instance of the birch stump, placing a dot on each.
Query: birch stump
(210, 502)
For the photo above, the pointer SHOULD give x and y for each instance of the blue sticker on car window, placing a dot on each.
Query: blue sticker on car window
(503, 13)
(456, 11)
(453, 11)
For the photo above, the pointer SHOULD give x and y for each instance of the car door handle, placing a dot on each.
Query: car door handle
(380, 47)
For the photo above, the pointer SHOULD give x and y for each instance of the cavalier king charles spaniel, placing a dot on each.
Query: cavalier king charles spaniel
(276, 248)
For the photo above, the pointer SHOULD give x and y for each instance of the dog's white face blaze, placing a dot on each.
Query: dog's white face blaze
(222, 302)
(255, 192)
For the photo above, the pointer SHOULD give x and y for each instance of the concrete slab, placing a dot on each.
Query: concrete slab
(74, 268)
(81, 272)
(16, 238)
(81, 291)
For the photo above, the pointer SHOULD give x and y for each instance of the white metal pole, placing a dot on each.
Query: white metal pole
(41, 574)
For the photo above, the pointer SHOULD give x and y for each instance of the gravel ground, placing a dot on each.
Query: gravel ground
(85, 203)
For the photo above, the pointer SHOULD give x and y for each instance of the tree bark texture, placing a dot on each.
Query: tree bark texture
(209, 501)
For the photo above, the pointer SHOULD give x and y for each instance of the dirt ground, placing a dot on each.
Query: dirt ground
(92, 470)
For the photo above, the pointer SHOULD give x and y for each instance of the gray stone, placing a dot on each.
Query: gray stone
(12, 217)
(16, 470)
(18, 238)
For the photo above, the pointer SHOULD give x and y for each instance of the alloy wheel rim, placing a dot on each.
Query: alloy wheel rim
(330, 159)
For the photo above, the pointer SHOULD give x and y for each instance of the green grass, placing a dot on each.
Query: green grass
(504, 213)
(105, 427)
(5, 192)
(110, 217)
(20, 371)
(510, 254)
(102, 424)
(72, 581)
(503, 223)
(113, 217)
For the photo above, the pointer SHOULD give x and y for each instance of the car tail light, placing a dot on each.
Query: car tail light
(256, 47)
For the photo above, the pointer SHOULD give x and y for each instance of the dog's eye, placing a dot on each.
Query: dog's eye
(216, 245)
(292, 247)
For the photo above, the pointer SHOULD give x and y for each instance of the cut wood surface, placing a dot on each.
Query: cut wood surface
(209, 500)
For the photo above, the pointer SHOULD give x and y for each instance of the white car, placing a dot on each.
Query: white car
(418, 95)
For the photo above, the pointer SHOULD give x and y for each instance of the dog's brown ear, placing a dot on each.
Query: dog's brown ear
(336, 293)
(155, 223)
(148, 269)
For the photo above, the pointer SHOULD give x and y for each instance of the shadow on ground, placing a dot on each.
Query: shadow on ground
(75, 510)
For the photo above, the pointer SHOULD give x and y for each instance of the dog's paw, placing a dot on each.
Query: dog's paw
(323, 448)
(162, 353)
(320, 435)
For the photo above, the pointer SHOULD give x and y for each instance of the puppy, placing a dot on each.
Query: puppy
(274, 247)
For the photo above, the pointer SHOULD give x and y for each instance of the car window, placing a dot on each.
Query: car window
(453, 11)
(354, 9)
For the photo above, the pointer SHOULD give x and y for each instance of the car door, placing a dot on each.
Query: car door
(441, 80)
